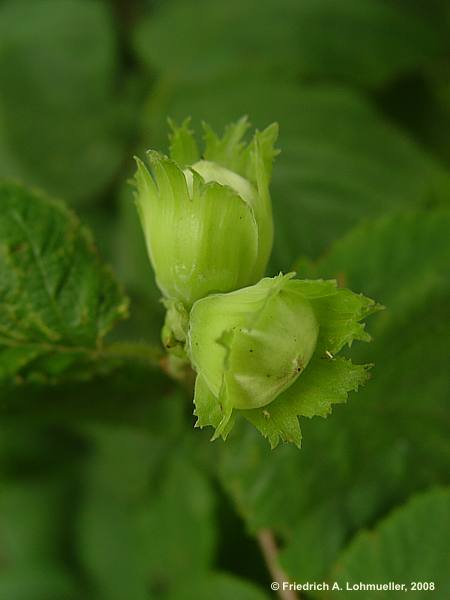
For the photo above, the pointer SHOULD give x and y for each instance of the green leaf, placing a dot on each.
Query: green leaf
(404, 260)
(132, 266)
(360, 41)
(341, 161)
(109, 526)
(185, 533)
(222, 585)
(57, 299)
(38, 582)
(393, 439)
(63, 123)
(405, 403)
(401, 259)
(31, 520)
(147, 510)
(131, 395)
(389, 553)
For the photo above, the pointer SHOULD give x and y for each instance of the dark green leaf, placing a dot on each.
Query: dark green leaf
(402, 259)
(390, 553)
(220, 585)
(340, 160)
(134, 269)
(38, 582)
(63, 122)
(392, 438)
(31, 518)
(362, 41)
(148, 511)
(57, 299)
(132, 394)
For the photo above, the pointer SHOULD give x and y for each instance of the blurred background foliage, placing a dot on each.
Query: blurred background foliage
(106, 492)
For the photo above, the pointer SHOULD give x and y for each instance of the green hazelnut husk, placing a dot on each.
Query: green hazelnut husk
(250, 345)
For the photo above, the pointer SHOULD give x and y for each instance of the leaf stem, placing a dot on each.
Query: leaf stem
(269, 549)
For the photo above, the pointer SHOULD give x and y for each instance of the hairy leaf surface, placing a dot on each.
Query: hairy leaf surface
(57, 299)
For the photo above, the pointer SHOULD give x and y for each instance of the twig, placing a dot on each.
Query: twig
(269, 550)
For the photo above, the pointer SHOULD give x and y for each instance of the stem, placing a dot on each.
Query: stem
(269, 550)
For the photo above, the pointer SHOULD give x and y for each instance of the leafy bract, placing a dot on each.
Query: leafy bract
(253, 160)
(325, 380)
(250, 345)
(388, 553)
(190, 211)
(188, 228)
(57, 300)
